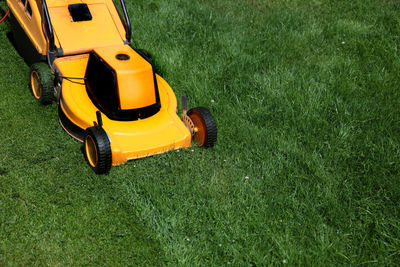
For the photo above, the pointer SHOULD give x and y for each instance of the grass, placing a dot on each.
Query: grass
(306, 169)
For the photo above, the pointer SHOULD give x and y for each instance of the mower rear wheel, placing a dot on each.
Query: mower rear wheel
(97, 149)
(41, 83)
(205, 126)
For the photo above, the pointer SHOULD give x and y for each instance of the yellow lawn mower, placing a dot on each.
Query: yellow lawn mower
(109, 96)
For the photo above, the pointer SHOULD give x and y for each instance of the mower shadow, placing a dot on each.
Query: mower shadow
(11, 39)
(2, 14)
(2, 11)
(9, 34)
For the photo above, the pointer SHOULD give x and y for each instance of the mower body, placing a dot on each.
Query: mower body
(88, 49)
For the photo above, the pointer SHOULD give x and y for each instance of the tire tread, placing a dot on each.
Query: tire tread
(211, 126)
(103, 148)
(46, 80)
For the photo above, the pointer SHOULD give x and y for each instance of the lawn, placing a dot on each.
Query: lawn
(306, 170)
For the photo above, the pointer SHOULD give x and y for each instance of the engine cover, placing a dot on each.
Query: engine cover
(121, 83)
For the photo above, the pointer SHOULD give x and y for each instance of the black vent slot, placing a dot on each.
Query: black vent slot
(80, 12)
(101, 84)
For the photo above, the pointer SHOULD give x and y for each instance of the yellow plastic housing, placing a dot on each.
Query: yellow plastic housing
(71, 37)
(129, 139)
(105, 28)
(134, 76)
(30, 23)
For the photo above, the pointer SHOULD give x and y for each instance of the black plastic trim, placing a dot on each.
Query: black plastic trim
(101, 84)
(79, 12)
(74, 130)
(60, 52)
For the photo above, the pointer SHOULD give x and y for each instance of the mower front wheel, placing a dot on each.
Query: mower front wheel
(41, 82)
(97, 149)
(205, 126)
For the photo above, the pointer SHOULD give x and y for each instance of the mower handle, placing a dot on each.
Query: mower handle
(126, 21)
(46, 17)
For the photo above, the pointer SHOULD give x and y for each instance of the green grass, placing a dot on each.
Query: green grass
(305, 172)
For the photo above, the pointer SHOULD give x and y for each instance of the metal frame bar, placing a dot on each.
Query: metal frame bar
(46, 16)
(126, 22)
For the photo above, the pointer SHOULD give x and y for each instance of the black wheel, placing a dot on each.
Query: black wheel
(205, 126)
(41, 83)
(97, 149)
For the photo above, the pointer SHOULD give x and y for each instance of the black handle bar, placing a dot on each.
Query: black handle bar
(127, 24)
(46, 16)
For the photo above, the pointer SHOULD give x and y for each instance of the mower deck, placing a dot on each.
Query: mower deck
(129, 139)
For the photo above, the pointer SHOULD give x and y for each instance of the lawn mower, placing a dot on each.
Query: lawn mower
(108, 94)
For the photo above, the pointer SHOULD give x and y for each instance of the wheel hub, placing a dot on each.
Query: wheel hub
(35, 83)
(91, 151)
